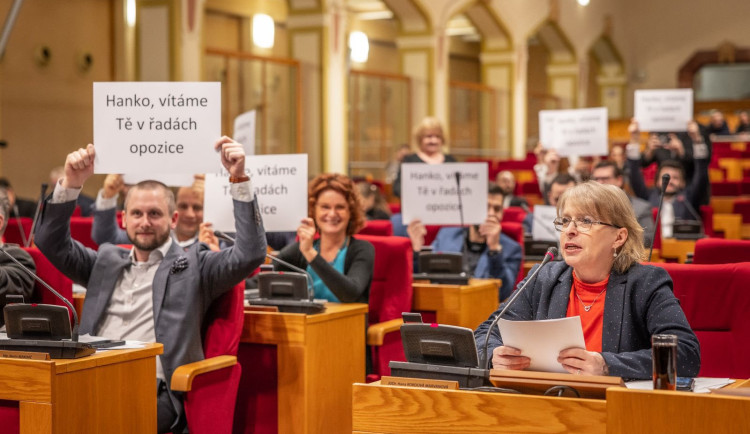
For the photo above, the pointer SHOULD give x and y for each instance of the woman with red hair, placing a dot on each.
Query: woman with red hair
(340, 265)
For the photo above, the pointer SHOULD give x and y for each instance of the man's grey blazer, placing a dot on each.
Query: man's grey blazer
(181, 294)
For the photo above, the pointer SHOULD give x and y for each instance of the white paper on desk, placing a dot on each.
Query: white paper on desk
(542, 340)
(702, 384)
(128, 345)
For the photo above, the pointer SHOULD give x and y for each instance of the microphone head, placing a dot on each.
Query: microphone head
(665, 181)
(458, 176)
(44, 188)
(551, 252)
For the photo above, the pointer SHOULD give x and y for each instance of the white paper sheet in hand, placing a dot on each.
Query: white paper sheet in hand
(542, 340)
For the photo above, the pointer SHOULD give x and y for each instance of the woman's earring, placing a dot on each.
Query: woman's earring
(614, 254)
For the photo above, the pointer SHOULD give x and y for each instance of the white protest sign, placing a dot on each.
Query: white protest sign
(244, 131)
(664, 110)
(280, 186)
(155, 127)
(575, 132)
(429, 193)
(181, 180)
(542, 228)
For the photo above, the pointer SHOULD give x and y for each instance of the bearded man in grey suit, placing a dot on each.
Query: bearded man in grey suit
(155, 291)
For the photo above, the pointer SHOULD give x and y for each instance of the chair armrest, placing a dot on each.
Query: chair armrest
(376, 332)
(183, 376)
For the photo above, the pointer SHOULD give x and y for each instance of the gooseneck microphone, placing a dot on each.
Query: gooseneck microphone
(664, 183)
(551, 253)
(74, 335)
(310, 292)
(36, 214)
(460, 204)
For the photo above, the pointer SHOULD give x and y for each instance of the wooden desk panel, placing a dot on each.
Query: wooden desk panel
(319, 357)
(459, 305)
(645, 411)
(111, 392)
(392, 409)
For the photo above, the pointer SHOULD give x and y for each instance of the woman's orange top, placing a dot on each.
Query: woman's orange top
(592, 320)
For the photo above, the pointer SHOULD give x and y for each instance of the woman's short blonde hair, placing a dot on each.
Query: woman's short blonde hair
(608, 204)
(428, 123)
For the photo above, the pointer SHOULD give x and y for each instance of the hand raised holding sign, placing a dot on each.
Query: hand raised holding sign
(306, 234)
(79, 166)
(232, 156)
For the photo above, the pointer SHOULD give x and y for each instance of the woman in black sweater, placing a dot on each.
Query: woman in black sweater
(430, 141)
(340, 265)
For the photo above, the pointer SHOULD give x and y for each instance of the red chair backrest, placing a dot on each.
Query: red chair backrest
(514, 214)
(80, 230)
(707, 216)
(223, 323)
(725, 188)
(657, 234)
(530, 188)
(210, 404)
(742, 207)
(721, 251)
(715, 299)
(390, 291)
(382, 228)
(54, 278)
(12, 233)
(390, 295)
(515, 231)
(395, 208)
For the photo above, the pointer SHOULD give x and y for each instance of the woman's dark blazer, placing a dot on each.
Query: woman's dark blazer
(639, 303)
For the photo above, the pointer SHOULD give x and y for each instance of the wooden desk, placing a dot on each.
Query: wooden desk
(676, 249)
(460, 305)
(318, 357)
(393, 409)
(112, 392)
(645, 411)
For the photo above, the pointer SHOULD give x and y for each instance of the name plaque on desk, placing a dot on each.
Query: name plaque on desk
(419, 382)
(24, 355)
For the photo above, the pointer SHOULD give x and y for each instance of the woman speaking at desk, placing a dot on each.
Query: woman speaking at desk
(621, 303)
(340, 266)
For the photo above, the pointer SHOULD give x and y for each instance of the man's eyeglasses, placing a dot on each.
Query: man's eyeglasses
(583, 224)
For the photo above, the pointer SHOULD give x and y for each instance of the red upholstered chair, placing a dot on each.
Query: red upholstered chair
(390, 295)
(211, 384)
(716, 300)
(514, 214)
(395, 208)
(54, 278)
(383, 228)
(707, 216)
(431, 234)
(80, 230)
(741, 207)
(13, 231)
(725, 188)
(721, 251)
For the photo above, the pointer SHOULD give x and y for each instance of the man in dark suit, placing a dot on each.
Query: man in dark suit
(488, 253)
(156, 291)
(13, 279)
(507, 183)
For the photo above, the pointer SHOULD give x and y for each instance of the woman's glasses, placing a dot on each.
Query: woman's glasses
(583, 224)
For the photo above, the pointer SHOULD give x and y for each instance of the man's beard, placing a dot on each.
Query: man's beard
(152, 245)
